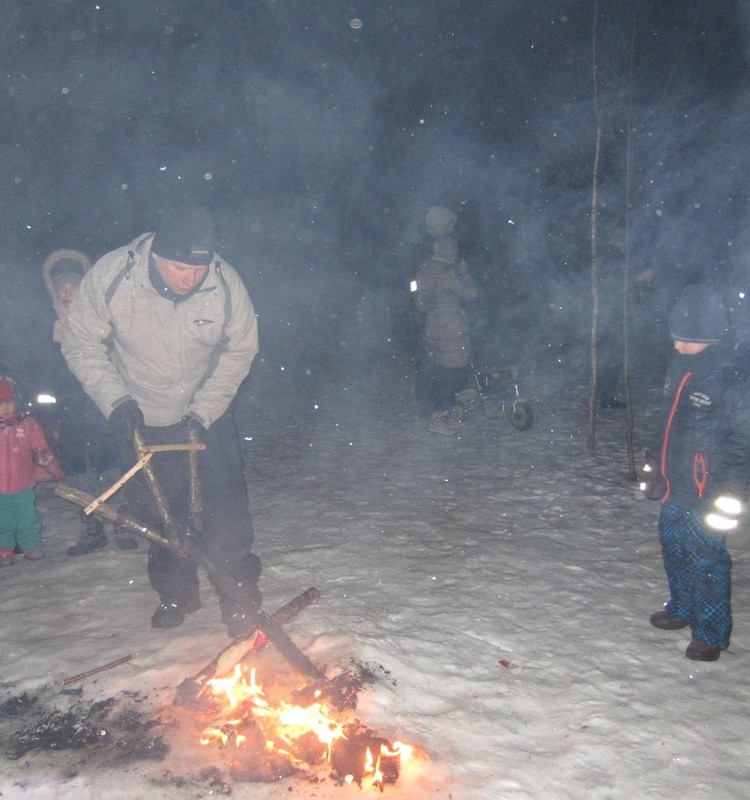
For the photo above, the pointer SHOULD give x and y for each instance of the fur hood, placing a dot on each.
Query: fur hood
(60, 255)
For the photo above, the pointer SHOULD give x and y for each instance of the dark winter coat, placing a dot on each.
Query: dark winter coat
(443, 289)
(704, 437)
(77, 431)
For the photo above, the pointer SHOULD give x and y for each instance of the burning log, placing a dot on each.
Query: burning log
(191, 688)
(218, 577)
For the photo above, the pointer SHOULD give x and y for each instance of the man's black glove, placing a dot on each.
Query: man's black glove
(125, 420)
(653, 484)
(725, 510)
(192, 423)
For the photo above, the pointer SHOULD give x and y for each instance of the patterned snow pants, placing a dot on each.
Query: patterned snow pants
(699, 571)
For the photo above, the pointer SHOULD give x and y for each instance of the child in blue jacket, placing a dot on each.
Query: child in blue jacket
(700, 470)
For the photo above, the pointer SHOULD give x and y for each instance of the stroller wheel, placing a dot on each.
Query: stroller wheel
(491, 408)
(521, 415)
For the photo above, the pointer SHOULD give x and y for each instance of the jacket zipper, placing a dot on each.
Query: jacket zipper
(700, 476)
(665, 443)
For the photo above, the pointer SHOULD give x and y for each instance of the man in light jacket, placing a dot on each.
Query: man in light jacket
(161, 334)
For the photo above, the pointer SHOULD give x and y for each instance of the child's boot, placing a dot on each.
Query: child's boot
(6, 558)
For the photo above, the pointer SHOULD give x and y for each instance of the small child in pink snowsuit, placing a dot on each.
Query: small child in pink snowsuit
(22, 446)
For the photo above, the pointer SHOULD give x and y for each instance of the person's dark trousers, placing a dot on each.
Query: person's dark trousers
(423, 381)
(699, 572)
(449, 381)
(227, 526)
(436, 387)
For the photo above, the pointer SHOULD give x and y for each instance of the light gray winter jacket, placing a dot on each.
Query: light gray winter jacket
(123, 339)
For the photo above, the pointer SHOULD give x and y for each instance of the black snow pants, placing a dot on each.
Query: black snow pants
(227, 525)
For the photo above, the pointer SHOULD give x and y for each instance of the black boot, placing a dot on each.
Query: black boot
(93, 538)
(172, 614)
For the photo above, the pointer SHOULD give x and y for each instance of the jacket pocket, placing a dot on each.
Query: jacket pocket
(205, 330)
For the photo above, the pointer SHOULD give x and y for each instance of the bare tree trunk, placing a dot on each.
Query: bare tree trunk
(594, 348)
(627, 272)
(631, 191)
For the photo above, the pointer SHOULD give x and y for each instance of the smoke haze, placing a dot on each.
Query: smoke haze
(319, 134)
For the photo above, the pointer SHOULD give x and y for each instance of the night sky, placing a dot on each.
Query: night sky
(320, 131)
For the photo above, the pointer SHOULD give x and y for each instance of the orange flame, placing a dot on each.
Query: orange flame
(285, 723)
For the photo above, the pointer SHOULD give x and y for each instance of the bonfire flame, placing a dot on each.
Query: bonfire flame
(290, 730)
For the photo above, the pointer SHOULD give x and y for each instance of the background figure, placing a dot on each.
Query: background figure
(440, 222)
(77, 429)
(161, 333)
(443, 287)
(646, 327)
(22, 445)
(610, 342)
(610, 367)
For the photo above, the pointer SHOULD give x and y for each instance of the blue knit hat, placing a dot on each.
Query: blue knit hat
(699, 316)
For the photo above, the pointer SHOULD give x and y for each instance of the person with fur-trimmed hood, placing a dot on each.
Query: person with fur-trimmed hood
(82, 445)
(699, 468)
(63, 271)
(161, 334)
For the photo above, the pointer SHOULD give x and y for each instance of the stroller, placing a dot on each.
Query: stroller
(494, 391)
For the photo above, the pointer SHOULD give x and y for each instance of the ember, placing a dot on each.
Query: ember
(276, 739)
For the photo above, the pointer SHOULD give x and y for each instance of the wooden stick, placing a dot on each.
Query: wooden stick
(96, 670)
(239, 649)
(196, 498)
(107, 493)
(168, 448)
(221, 580)
(160, 499)
(117, 518)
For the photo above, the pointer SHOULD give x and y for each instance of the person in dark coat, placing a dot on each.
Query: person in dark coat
(81, 441)
(700, 470)
(444, 287)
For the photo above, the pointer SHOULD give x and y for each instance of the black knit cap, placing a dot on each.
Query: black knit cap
(699, 316)
(185, 234)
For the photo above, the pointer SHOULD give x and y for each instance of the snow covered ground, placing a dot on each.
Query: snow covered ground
(499, 583)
